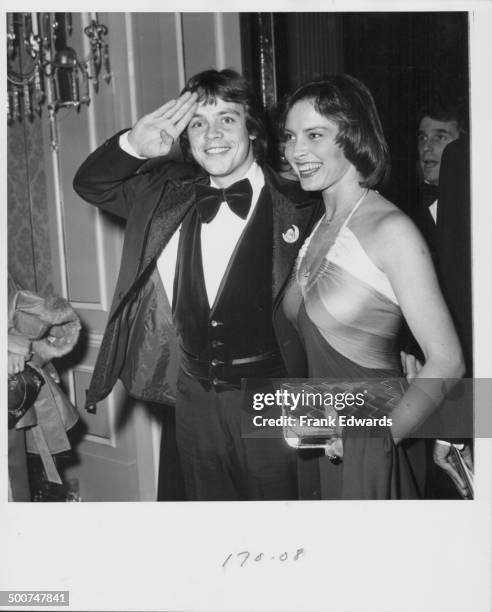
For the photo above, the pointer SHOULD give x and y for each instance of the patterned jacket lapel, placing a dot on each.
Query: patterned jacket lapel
(294, 214)
(174, 203)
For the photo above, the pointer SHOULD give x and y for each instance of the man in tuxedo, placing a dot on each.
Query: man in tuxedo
(438, 125)
(453, 262)
(223, 272)
(443, 216)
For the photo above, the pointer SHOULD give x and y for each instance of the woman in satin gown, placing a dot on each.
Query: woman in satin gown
(363, 268)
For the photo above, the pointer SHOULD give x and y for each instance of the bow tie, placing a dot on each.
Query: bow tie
(238, 198)
(429, 194)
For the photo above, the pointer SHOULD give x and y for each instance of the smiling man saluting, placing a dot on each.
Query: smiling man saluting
(223, 273)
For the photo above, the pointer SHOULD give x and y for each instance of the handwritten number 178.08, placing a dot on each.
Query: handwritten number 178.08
(245, 555)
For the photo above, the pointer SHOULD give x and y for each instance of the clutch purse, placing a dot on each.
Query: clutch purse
(23, 389)
(315, 410)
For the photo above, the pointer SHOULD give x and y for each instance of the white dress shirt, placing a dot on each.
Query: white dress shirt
(219, 237)
(433, 207)
(433, 210)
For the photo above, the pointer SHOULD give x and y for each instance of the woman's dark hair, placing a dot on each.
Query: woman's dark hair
(230, 86)
(346, 101)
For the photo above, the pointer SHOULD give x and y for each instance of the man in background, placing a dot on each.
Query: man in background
(439, 124)
(453, 259)
(443, 216)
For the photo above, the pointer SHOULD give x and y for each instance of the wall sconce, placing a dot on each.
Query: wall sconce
(43, 68)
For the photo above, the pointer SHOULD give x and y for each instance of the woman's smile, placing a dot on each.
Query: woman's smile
(311, 148)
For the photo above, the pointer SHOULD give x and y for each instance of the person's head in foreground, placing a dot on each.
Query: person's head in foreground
(333, 134)
(226, 133)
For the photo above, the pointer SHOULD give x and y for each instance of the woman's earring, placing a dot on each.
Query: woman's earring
(252, 137)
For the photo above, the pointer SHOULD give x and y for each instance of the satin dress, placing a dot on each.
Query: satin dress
(349, 319)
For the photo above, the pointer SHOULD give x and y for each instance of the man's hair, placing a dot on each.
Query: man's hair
(230, 86)
(441, 108)
(349, 103)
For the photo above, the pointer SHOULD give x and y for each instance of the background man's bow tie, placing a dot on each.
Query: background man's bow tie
(429, 193)
(238, 197)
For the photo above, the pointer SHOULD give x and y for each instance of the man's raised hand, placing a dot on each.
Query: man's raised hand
(154, 134)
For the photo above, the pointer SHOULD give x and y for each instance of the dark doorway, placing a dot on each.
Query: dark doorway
(402, 57)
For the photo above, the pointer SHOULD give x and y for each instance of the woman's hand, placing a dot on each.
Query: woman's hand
(334, 450)
(154, 134)
(16, 363)
(411, 366)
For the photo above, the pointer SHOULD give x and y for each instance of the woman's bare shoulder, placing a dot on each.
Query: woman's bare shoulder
(382, 228)
(382, 217)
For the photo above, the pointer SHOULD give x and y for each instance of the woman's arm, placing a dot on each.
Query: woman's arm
(404, 257)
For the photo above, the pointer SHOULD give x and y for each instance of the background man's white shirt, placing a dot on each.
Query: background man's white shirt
(433, 210)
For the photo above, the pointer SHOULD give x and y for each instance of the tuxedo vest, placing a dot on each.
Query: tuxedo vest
(233, 338)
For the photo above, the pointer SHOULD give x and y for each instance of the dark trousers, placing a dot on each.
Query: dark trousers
(218, 463)
(170, 483)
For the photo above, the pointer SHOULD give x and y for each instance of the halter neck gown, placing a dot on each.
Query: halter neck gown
(349, 318)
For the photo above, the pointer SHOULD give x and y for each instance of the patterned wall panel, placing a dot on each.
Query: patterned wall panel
(29, 256)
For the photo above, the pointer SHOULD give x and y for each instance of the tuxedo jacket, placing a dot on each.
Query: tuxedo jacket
(449, 237)
(139, 345)
(450, 243)
(453, 240)
(453, 254)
